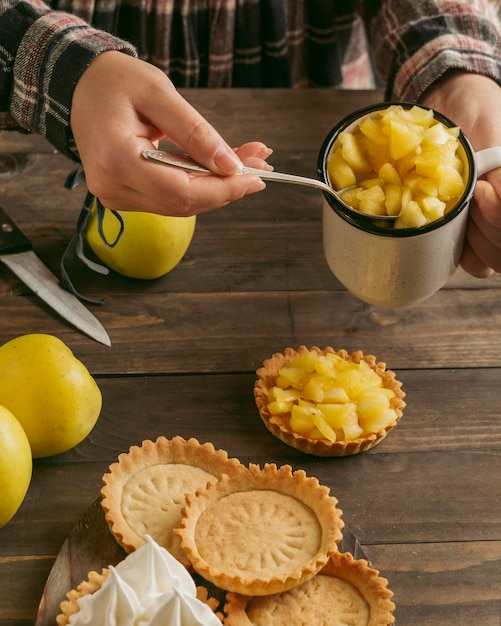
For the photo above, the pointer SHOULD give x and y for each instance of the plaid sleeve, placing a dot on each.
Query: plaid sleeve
(416, 42)
(42, 56)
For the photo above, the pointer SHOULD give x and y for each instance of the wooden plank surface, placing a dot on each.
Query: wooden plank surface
(425, 503)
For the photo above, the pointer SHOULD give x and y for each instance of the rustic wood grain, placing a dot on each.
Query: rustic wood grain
(425, 503)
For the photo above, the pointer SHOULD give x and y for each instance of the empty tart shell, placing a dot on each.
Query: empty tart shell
(345, 591)
(278, 425)
(144, 491)
(260, 531)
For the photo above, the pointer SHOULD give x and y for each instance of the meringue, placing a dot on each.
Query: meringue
(148, 588)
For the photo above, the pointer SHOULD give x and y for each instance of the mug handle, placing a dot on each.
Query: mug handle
(488, 159)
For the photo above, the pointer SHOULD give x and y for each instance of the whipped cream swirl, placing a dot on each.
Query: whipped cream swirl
(148, 588)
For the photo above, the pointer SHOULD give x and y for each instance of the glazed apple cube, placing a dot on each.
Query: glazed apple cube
(371, 200)
(339, 171)
(291, 376)
(373, 130)
(406, 198)
(301, 421)
(418, 115)
(427, 187)
(335, 393)
(438, 134)
(376, 154)
(404, 138)
(450, 182)
(324, 389)
(379, 422)
(369, 376)
(323, 426)
(350, 197)
(351, 427)
(371, 403)
(410, 216)
(388, 173)
(393, 200)
(353, 154)
(433, 208)
(351, 380)
(305, 361)
(338, 414)
(280, 407)
(325, 366)
(405, 165)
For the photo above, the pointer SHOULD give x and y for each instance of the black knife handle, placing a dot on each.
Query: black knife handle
(12, 238)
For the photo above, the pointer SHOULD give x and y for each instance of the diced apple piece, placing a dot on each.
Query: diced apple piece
(371, 200)
(371, 403)
(350, 197)
(324, 427)
(306, 361)
(404, 139)
(410, 216)
(393, 201)
(388, 173)
(353, 154)
(433, 208)
(301, 422)
(338, 414)
(379, 422)
(295, 376)
(450, 182)
(372, 129)
(340, 173)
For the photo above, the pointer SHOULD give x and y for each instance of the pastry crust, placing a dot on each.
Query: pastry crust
(346, 591)
(144, 491)
(279, 426)
(260, 531)
(70, 606)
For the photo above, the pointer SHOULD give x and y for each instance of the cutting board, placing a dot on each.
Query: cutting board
(91, 546)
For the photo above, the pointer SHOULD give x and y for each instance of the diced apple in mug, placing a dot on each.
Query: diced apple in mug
(340, 173)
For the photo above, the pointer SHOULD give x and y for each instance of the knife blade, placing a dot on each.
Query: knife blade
(16, 252)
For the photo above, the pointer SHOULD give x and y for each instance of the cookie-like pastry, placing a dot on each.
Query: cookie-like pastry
(373, 376)
(260, 531)
(70, 605)
(144, 491)
(345, 592)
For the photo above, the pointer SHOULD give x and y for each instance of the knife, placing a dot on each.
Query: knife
(16, 252)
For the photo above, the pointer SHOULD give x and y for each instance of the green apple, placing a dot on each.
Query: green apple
(50, 392)
(16, 465)
(150, 246)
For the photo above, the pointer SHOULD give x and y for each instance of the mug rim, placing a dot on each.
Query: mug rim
(367, 223)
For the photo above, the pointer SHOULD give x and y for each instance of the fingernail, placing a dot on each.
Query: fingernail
(256, 185)
(227, 161)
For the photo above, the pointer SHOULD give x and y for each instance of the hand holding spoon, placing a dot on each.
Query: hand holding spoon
(182, 160)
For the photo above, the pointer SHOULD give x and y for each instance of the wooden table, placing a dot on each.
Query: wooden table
(425, 504)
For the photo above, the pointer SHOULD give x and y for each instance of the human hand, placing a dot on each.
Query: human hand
(473, 103)
(121, 106)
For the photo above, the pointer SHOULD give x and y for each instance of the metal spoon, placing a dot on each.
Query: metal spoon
(180, 159)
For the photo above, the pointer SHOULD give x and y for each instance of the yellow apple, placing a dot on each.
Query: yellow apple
(50, 391)
(16, 465)
(151, 245)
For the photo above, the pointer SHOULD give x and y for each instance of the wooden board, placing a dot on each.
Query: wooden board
(91, 546)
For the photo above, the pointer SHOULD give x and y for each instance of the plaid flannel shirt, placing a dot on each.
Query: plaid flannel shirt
(403, 44)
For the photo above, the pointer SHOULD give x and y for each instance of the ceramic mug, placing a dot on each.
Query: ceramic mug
(398, 267)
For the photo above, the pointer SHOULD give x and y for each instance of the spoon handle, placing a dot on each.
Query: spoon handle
(180, 159)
